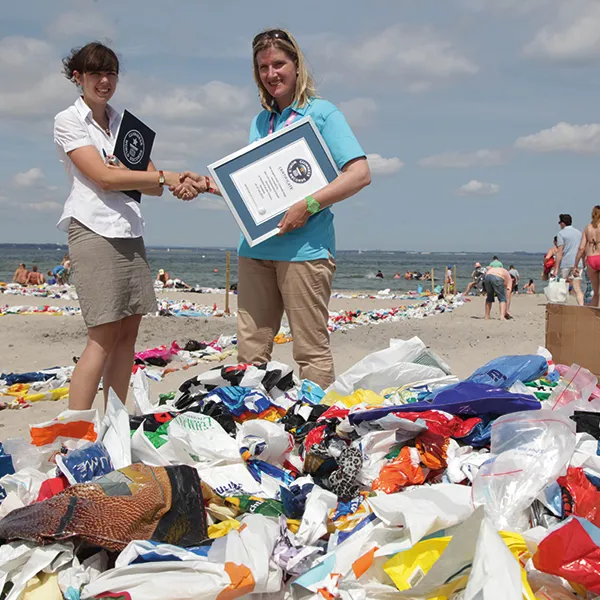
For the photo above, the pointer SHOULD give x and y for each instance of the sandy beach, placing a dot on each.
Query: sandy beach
(462, 338)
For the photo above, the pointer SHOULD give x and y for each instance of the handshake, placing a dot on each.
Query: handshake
(191, 184)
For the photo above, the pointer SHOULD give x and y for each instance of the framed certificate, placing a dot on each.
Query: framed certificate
(261, 181)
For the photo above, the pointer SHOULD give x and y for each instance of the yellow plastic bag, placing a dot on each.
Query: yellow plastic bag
(358, 397)
(223, 528)
(408, 568)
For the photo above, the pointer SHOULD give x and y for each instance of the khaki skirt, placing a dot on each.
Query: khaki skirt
(111, 276)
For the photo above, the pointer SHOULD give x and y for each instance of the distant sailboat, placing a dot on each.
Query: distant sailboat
(359, 251)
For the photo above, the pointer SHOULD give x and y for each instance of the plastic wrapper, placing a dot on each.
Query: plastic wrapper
(265, 440)
(572, 550)
(70, 426)
(137, 502)
(573, 390)
(529, 451)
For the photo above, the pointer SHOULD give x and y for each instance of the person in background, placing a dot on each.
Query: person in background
(20, 275)
(516, 278)
(379, 274)
(448, 281)
(397, 276)
(496, 263)
(529, 287)
(163, 276)
(104, 226)
(498, 284)
(66, 263)
(60, 274)
(51, 279)
(35, 277)
(590, 248)
(476, 279)
(293, 272)
(566, 266)
(550, 260)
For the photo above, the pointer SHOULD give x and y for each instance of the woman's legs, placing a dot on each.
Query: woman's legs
(117, 369)
(89, 368)
(306, 290)
(595, 281)
(260, 309)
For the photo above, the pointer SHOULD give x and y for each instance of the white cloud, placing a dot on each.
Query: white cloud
(384, 166)
(359, 112)
(478, 188)
(37, 89)
(573, 34)
(43, 207)
(514, 6)
(462, 160)
(414, 57)
(31, 178)
(563, 137)
(83, 25)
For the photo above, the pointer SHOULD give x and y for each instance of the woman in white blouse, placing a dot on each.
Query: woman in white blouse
(105, 227)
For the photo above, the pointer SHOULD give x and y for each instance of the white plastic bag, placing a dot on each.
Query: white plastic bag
(314, 520)
(392, 367)
(557, 291)
(20, 561)
(270, 440)
(530, 450)
(237, 565)
(115, 432)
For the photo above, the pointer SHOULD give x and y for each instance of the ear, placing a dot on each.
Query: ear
(77, 77)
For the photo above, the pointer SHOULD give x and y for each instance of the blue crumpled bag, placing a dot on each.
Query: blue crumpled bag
(505, 371)
(464, 399)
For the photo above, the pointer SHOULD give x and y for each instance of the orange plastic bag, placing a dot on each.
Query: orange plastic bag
(404, 470)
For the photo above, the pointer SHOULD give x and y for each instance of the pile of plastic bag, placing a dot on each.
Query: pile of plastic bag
(184, 308)
(399, 481)
(66, 292)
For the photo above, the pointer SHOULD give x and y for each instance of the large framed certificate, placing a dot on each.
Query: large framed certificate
(261, 181)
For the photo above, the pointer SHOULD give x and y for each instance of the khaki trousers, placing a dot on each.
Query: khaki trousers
(266, 288)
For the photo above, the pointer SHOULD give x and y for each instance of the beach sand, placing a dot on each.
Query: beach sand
(462, 338)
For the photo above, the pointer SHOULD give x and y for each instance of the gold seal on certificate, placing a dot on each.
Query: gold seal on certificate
(260, 182)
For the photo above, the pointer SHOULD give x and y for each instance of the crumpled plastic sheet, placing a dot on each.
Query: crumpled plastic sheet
(66, 292)
(314, 495)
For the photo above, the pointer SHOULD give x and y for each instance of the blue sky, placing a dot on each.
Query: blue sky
(479, 116)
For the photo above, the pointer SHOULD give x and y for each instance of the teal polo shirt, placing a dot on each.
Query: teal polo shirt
(316, 239)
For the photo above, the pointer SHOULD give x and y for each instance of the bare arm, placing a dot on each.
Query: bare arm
(558, 259)
(87, 159)
(582, 248)
(15, 276)
(158, 190)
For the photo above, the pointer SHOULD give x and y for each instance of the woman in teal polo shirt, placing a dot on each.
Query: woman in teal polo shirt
(293, 271)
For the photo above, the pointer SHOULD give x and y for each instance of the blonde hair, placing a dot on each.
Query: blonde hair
(596, 215)
(305, 85)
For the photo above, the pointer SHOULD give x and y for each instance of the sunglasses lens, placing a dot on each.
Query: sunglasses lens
(275, 34)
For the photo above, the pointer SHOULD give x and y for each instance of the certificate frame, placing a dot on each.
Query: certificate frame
(222, 171)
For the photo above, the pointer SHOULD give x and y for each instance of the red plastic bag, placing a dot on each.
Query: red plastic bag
(572, 551)
(404, 470)
(433, 449)
(580, 496)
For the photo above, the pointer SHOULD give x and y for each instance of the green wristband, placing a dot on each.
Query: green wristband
(312, 206)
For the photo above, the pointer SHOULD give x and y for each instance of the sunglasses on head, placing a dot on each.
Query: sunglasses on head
(274, 34)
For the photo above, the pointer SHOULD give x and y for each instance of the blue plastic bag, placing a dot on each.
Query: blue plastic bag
(6, 463)
(505, 371)
(85, 464)
(464, 398)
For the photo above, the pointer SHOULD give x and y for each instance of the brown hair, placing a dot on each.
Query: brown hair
(305, 85)
(93, 57)
(596, 215)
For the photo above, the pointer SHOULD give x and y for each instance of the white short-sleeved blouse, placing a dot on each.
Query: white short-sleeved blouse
(111, 214)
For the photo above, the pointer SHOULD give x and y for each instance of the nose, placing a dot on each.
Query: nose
(271, 72)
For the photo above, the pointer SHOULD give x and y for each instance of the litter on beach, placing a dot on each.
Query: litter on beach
(400, 480)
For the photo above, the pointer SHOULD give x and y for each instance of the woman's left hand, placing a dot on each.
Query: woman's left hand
(295, 218)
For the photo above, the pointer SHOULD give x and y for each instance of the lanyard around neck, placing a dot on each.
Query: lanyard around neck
(288, 121)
